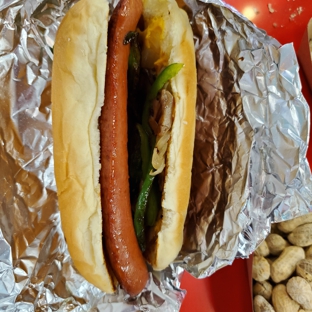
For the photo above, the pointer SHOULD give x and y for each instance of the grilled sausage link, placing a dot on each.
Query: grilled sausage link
(121, 244)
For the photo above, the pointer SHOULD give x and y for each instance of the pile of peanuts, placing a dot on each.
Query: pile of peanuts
(282, 268)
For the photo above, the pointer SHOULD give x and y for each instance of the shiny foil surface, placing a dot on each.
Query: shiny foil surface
(249, 166)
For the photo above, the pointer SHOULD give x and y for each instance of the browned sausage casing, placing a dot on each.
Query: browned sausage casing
(121, 244)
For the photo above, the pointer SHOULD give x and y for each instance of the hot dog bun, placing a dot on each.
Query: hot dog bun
(176, 46)
(78, 76)
(77, 96)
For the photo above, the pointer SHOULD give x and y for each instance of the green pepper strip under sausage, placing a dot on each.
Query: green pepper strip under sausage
(145, 150)
(140, 208)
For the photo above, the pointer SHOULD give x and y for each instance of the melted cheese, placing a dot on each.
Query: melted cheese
(154, 57)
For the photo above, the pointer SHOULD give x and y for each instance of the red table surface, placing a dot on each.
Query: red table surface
(229, 289)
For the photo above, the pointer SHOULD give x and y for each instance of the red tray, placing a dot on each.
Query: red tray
(229, 289)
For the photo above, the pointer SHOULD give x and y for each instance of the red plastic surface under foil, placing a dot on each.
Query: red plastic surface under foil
(229, 289)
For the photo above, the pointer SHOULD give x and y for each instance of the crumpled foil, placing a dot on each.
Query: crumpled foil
(252, 134)
(249, 167)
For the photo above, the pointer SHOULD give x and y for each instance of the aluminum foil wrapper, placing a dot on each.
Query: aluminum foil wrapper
(250, 167)
(252, 134)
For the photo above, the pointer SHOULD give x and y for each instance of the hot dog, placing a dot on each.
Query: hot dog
(92, 180)
(124, 253)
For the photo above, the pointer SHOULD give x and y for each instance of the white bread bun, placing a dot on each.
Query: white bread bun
(77, 96)
(176, 45)
(78, 75)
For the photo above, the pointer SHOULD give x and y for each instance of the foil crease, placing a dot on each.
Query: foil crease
(249, 167)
